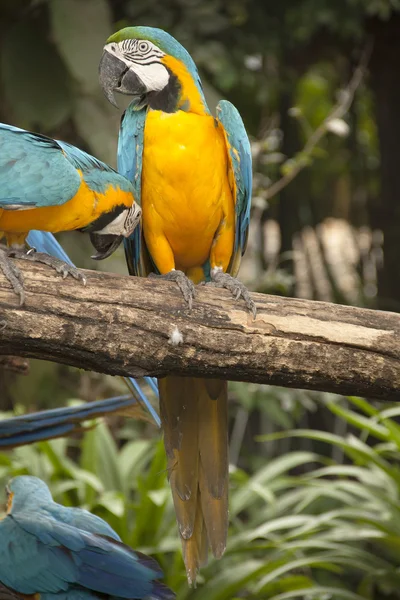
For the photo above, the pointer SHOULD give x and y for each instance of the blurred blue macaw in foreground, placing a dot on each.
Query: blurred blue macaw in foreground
(56, 553)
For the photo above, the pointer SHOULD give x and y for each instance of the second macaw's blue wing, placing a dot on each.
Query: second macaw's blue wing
(37, 171)
(24, 182)
(46, 242)
(240, 158)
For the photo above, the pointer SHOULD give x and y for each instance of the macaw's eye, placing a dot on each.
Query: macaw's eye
(143, 47)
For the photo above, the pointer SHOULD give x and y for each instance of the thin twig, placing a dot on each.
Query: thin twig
(338, 112)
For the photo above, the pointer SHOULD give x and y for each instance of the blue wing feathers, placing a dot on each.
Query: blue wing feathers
(97, 174)
(240, 155)
(65, 555)
(28, 163)
(130, 161)
(37, 171)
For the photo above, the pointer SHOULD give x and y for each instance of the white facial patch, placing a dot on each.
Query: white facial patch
(125, 224)
(144, 59)
(155, 76)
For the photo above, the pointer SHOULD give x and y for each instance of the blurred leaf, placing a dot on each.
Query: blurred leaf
(98, 123)
(113, 502)
(34, 79)
(80, 29)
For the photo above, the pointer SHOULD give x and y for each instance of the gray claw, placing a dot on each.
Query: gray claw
(237, 288)
(13, 274)
(63, 268)
(185, 284)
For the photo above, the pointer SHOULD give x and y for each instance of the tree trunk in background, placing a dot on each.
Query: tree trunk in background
(287, 207)
(6, 381)
(385, 82)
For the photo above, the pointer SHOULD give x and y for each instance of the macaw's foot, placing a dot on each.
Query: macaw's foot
(41, 257)
(13, 275)
(184, 283)
(238, 290)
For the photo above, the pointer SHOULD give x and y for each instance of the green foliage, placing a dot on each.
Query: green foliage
(34, 78)
(79, 45)
(303, 525)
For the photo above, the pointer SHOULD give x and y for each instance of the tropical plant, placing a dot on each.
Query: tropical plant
(306, 524)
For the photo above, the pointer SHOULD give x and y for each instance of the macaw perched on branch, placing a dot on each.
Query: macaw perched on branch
(192, 175)
(56, 553)
(53, 186)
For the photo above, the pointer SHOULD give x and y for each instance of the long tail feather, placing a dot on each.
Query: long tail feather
(57, 422)
(44, 241)
(195, 422)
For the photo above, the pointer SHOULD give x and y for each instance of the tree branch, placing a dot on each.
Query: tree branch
(123, 326)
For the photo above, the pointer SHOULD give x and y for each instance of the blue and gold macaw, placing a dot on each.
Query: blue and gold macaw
(192, 175)
(50, 552)
(53, 186)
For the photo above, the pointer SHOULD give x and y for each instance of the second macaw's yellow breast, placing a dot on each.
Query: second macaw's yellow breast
(186, 197)
(78, 212)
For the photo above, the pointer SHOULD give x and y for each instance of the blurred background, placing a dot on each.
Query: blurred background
(315, 501)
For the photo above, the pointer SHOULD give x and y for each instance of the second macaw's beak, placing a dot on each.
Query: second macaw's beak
(105, 244)
(107, 239)
(116, 76)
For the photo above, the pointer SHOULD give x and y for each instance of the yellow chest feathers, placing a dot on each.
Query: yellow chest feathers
(184, 173)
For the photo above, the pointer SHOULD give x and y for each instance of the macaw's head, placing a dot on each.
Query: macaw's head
(116, 214)
(24, 492)
(153, 67)
(108, 231)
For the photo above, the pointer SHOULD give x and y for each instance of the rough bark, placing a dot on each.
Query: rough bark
(124, 325)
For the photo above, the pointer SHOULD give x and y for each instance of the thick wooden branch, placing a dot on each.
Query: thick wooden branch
(124, 325)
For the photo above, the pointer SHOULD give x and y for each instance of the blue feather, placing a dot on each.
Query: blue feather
(56, 422)
(43, 551)
(129, 162)
(240, 155)
(37, 171)
(28, 162)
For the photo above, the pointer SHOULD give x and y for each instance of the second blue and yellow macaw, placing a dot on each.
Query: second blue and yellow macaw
(192, 175)
(53, 186)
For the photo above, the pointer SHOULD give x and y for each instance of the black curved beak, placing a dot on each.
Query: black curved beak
(116, 76)
(105, 244)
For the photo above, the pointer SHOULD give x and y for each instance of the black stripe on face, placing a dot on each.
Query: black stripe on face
(143, 62)
(104, 219)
